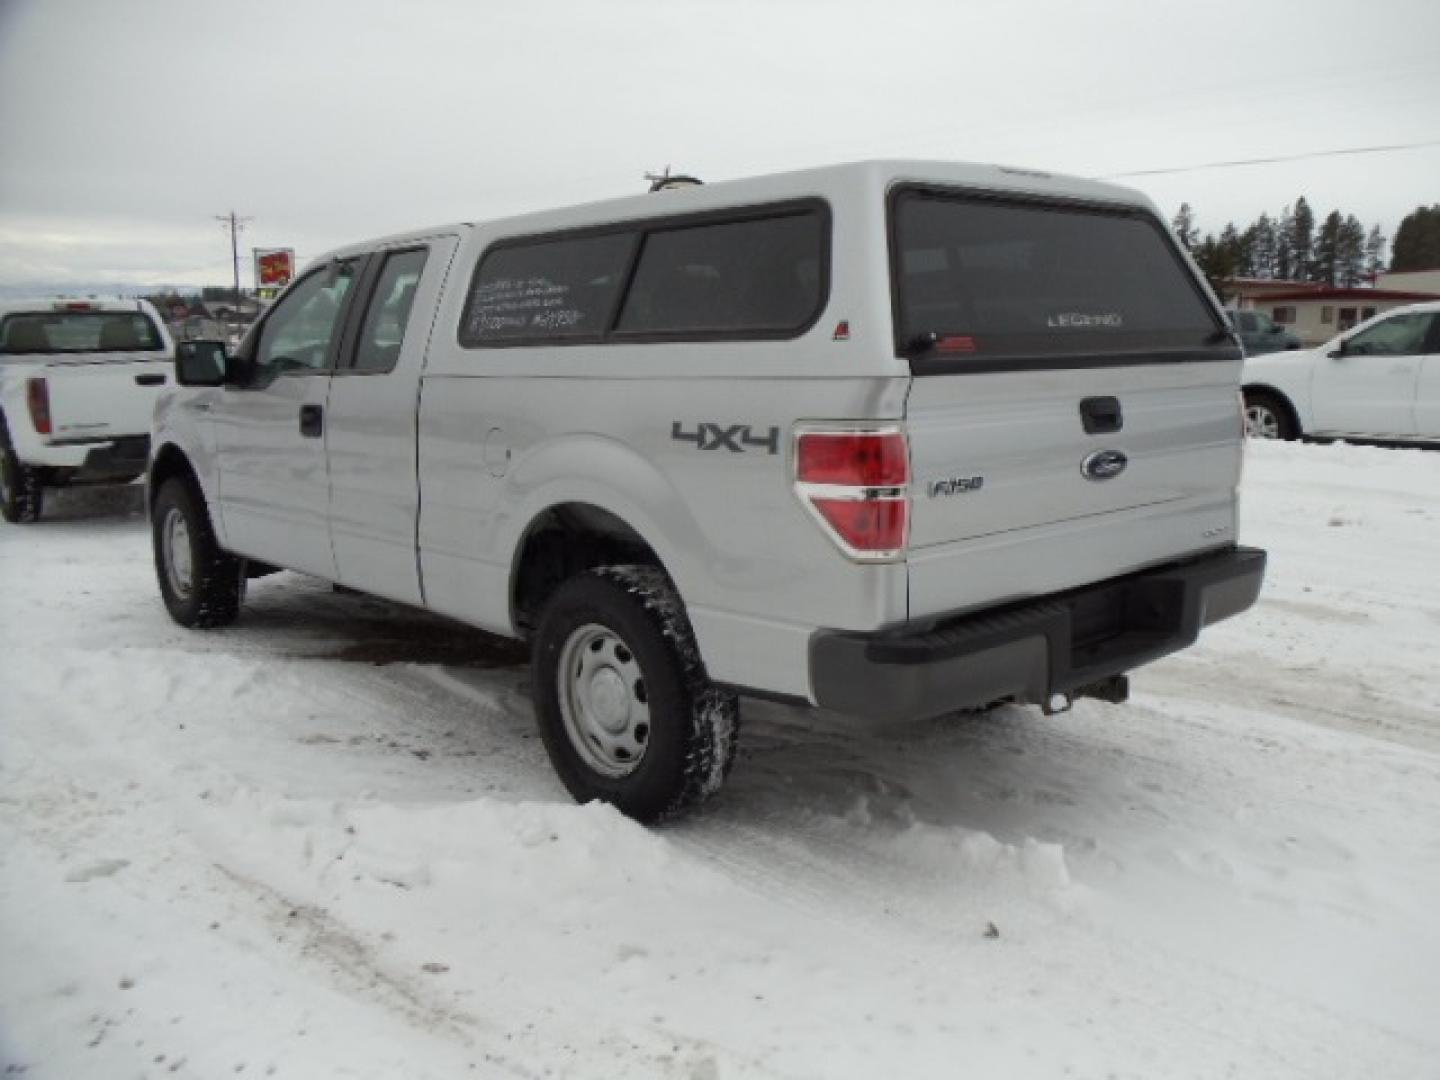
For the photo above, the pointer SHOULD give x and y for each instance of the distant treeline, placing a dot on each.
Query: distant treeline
(1292, 247)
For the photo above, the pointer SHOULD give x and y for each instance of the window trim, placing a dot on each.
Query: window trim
(1227, 350)
(640, 229)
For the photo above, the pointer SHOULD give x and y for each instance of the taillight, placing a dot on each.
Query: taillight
(856, 483)
(37, 397)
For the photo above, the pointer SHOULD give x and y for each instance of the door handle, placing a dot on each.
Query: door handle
(1101, 415)
(312, 421)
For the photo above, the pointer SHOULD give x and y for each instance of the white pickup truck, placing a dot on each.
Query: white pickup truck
(78, 383)
(888, 438)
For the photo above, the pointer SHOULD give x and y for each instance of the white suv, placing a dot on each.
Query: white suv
(1379, 381)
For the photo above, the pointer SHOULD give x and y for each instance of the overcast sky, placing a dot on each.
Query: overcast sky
(126, 125)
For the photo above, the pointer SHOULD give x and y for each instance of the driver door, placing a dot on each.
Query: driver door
(1368, 387)
(274, 482)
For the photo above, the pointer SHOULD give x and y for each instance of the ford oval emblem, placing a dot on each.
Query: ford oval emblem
(1104, 465)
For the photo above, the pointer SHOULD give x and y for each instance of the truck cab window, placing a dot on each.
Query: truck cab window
(384, 329)
(1404, 335)
(300, 332)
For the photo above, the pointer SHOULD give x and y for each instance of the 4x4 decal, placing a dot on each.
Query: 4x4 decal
(737, 438)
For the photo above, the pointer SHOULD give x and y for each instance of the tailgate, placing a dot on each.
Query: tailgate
(109, 398)
(1073, 414)
(996, 453)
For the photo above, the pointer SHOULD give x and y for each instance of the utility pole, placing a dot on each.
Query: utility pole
(234, 224)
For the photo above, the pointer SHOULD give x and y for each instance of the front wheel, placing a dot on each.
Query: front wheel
(1266, 417)
(21, 493)
(201, 584)
(626, 710)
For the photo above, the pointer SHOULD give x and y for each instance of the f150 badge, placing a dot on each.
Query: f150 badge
(737, 438)
(953, 485)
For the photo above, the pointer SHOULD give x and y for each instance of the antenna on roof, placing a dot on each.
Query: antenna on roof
(668, 181)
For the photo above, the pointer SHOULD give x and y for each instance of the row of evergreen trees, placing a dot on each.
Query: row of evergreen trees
(1291, 247)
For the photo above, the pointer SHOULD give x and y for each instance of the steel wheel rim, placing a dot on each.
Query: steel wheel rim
(1261, 422)
(179, 563)
(603, 700)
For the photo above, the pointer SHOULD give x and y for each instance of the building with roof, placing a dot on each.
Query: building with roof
(1414, 280)
(1316, 312)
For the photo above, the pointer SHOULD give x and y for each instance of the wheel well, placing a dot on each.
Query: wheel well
(564, 541)
(1279, 396)
(170, 462)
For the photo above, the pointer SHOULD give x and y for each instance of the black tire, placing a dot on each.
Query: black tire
(1268, 416)
(629, 625)
(208, 591)
(22, 492)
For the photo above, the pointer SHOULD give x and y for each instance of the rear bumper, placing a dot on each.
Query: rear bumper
(125, 457)
(95, 461)
(1032, 650)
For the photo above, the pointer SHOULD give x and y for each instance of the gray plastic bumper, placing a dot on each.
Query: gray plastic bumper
(1035, 649)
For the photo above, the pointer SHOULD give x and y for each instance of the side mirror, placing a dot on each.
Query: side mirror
(201, 363)
(1337, 352)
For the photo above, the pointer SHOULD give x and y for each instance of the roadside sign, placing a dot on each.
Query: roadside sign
(274, 267)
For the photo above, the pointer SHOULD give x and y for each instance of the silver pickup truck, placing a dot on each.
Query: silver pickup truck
(891, 438)
(78, 383)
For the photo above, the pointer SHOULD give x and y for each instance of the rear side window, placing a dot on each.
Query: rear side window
(763, 275)
(745, 277)
(1034, 281)
(547, 290)
(79, 332)
(384, 330)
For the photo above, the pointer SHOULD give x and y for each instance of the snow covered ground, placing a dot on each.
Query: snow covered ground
(326, 843)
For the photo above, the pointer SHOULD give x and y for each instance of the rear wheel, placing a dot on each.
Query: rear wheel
(22, 495)
(202, 585)
(626, 710)
(1267, 417)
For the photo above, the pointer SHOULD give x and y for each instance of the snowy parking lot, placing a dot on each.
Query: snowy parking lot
(327, 842)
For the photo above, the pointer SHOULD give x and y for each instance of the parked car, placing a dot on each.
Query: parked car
(1380, 380)
(891, 439)
(1259, 333)
(78, 384)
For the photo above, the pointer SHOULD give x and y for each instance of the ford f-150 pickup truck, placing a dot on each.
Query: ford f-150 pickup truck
(891, 439)
(78, 384)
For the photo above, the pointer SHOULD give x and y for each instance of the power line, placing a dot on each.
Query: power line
(1272, 160)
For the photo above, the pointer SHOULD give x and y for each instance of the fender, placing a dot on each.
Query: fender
(176, 428)
(613, 477)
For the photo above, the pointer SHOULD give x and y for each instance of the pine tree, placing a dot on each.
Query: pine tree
(1219, 259)
(1285, 268)
(1232, 247)
(1302, 241)
(1259, 241)
(1417, 240)
(1325, 256)
(1374, 252)
(1350, 252)
(1184, 226)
